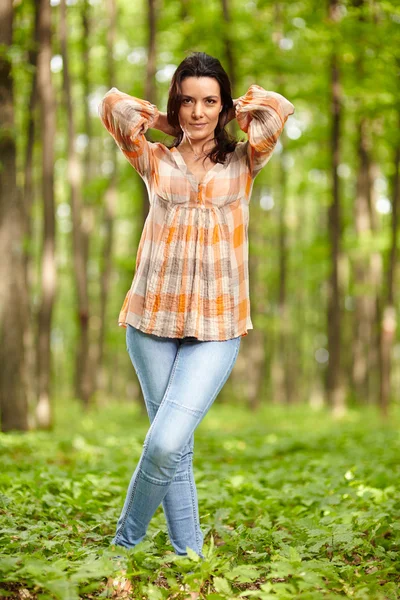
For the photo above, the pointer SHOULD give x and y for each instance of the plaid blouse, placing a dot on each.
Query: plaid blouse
(191, 276)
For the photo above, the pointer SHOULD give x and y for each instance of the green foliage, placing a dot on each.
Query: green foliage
(286, 47)
(292, 505)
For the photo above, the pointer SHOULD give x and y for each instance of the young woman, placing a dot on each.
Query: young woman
(188, 306)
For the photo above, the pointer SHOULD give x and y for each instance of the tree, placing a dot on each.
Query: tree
(13, 295)
(48, 265)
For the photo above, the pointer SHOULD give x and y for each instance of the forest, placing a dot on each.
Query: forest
(297, 463)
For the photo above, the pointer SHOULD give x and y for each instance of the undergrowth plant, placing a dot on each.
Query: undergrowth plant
(293, 505)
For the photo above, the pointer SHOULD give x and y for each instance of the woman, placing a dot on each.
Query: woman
(188, 306)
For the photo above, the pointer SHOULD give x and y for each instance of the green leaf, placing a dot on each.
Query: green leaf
(222, 585)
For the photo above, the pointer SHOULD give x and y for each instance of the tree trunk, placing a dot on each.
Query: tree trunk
(254, 348)
(365, 295)
(82, 370)
(88, 212)
(149, 93)
(48, 272)
(228, 44)
(363, 358)
(30, 340)
(110, 201)
(335, 383)
(229, 53)
(284, 358)
(387, 309)
(13, 295)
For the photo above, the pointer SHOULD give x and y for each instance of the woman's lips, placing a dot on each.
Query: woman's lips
(198, 125)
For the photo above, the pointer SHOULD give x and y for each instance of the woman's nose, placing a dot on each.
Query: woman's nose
(197, 110)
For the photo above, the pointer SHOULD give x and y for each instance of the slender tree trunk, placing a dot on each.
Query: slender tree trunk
(376, 276)
(110, 201)
(13, 295)
(387, 308)
(48, 271)
(228, 43)
(88, 212)
(284, 345)
(335, 384)
(82, 372)
(254, 351)
(30, 340)
(184, 6)
(285, 321)
(229, 54)
(362, 359)
(150, 89)
(281, 376)
(365, 294)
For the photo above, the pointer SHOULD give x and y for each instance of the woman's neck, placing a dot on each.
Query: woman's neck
(197, 147)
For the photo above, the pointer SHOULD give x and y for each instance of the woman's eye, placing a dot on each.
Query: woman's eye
(185, 100)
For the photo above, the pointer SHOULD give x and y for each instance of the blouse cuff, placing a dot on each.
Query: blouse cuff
(133, 116)
(258, 99)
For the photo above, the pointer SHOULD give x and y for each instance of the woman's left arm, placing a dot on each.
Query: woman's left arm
(262, 115)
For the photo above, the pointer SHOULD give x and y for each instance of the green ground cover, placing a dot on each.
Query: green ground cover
(292, 504)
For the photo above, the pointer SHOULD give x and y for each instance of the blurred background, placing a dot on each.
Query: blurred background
(323, 217)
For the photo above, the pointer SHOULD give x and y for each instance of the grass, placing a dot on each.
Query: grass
(293, 505)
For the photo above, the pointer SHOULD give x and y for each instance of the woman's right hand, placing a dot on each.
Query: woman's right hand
(162, 125)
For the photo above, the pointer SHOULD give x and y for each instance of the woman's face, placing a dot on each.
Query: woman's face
(201, 104)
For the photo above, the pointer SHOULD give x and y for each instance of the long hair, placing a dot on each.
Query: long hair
(199, 64)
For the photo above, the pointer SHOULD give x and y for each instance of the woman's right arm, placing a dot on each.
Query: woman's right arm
(127, 119)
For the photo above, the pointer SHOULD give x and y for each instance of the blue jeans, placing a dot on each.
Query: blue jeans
(180, 379)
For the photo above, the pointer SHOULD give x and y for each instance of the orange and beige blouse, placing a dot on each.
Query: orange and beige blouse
(191, 277)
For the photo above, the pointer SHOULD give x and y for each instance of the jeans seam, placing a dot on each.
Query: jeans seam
(187, 409)
(196, 523)
(168, 528)
(145, 447)
(152, 480)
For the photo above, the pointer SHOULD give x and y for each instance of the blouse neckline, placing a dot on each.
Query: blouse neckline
(186, 171)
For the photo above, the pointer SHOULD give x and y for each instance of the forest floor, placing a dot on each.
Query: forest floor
(293, 504)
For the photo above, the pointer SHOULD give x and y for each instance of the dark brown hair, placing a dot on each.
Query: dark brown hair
(199, 64)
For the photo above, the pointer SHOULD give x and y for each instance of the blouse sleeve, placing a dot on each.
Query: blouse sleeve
(127, 119)
(262, 115)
